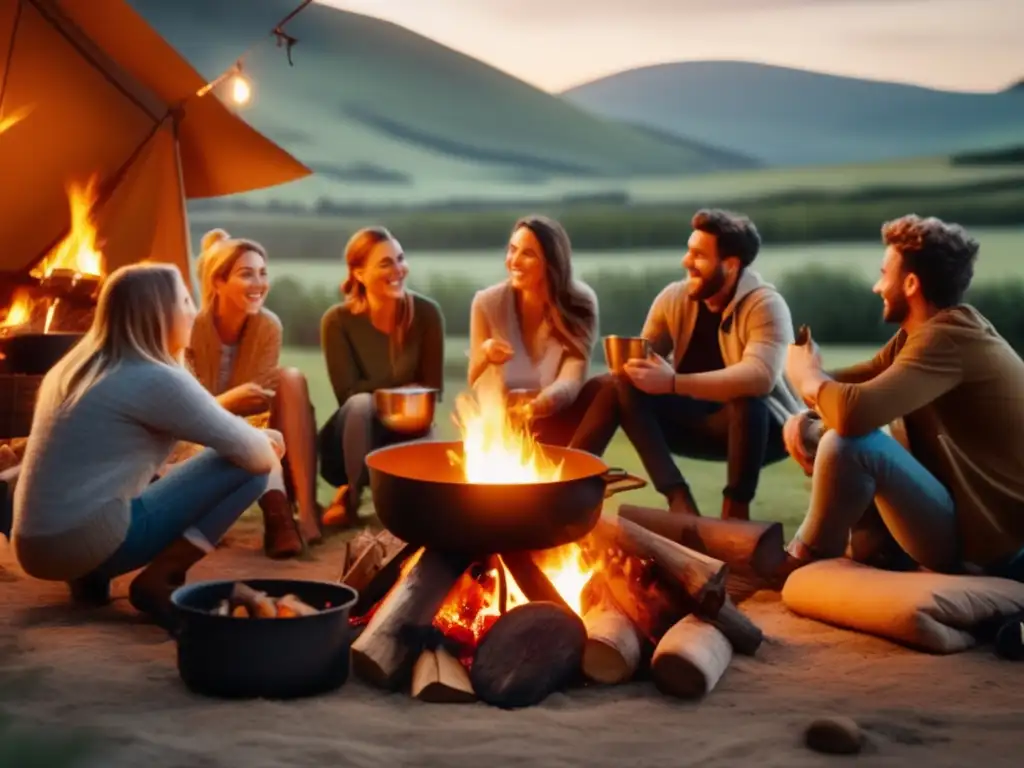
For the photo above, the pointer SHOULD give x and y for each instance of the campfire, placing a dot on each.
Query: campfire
(47, 311)
(65, 282)
(643, 594)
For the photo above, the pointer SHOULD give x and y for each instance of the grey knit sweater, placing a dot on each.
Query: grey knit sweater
(85, 463)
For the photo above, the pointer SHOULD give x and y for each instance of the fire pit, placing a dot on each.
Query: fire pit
(47, 312)
(511, 585)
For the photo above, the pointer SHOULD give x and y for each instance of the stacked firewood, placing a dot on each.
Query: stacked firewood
(657, 605)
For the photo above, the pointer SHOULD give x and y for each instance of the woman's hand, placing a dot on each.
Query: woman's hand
(246, 398)
(497, 352)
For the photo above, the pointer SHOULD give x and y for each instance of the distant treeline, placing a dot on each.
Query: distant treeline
(839, 306)
(1003, 156)
(609, 221)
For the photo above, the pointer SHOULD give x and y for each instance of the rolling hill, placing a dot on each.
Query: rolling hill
(794, 117)
(380, 112)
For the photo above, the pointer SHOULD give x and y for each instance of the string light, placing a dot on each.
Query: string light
(240, 86)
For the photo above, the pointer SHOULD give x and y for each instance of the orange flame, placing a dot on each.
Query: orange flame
(569, 573)
(20, 310)
(495, 448)
(79, 252)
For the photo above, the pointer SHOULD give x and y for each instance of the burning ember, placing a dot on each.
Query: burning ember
(496, 448)
(78, 253)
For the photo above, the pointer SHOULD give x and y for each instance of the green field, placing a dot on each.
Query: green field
(1001, 257)
(783, 491)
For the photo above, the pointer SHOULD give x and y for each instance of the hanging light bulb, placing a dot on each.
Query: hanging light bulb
(241, 91)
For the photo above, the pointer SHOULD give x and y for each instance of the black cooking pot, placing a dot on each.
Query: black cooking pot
(263, 658)
(424, 499)
(34, 354)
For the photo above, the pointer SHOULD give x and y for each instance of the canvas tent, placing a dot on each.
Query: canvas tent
(101, 92)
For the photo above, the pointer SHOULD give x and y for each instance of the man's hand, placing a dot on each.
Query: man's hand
(246, 398)
(653, 375)
(276, 440)
(793, 437)
(803, 369)
(497, 352)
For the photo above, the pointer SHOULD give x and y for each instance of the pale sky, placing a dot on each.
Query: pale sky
(555, 44)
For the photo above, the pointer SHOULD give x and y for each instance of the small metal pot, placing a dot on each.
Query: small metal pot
(619, 350)
(231, 657)
(406, 410)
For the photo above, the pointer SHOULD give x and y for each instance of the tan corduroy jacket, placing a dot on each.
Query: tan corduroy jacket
(258, 358)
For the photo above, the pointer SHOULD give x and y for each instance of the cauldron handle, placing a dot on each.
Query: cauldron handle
(619, 480)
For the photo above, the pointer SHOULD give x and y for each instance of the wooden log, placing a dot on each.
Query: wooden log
(291, 607)
(439, 678)
(740, 544)
(530, 652)
(743, 634)
(256, 603)
(531, 579)
(383, 654)
(690, 659)
(699, 576)
(612, 651)
(383, 580)
(365, 555)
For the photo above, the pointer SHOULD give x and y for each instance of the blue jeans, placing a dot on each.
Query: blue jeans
(850, 472)
(199, 499)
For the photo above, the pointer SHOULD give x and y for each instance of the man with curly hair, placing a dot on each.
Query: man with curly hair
(948, 483)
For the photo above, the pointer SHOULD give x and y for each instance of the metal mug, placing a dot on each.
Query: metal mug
(619, 350)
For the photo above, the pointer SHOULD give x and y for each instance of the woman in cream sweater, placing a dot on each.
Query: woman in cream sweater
(108, 415)
(235, 353)
(536, 330)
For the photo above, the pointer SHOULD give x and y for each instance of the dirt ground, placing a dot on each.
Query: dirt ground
(104, 671)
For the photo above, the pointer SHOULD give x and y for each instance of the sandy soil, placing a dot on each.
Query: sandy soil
(104, 670)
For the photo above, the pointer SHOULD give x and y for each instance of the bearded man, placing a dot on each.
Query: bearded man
(948, 482)
(723, 396)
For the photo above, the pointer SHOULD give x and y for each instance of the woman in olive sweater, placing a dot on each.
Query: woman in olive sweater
(107, 417)
(381, 336)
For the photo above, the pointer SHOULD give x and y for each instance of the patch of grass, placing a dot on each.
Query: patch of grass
(782, 494)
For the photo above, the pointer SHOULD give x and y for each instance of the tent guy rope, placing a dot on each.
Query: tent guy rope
(240, 87)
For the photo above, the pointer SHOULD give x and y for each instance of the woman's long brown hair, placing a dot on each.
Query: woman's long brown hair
(353, 292)
(572, 305)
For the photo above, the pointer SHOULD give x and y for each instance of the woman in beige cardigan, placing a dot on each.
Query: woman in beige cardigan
(536, 330)
(235, 354)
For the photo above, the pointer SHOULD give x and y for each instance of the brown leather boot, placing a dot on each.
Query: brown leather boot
(734, 510)
(150, 591)
(280, 534)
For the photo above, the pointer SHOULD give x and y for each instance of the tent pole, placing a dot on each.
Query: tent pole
(190, 277)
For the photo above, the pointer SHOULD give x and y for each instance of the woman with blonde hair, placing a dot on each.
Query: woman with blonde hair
(235, 352)
(380, 336)
(536, 330)
(107, 417)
